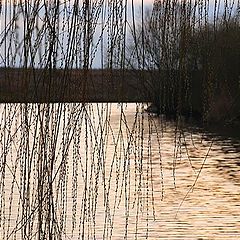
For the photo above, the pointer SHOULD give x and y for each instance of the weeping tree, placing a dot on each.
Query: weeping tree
(56, 169)
(65, 170)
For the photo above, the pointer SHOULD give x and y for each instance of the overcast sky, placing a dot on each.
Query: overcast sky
(8, 42)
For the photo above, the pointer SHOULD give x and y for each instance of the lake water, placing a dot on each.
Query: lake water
(111, 171)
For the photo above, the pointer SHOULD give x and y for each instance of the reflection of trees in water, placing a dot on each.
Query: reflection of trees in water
(51, 153)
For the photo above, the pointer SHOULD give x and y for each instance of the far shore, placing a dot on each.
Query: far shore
(104, 85)
(41, 85)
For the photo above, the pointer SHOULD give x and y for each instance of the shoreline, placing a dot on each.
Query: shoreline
(19, 85)
(220, 129)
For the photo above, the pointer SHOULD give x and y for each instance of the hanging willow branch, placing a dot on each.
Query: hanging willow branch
(74, 169)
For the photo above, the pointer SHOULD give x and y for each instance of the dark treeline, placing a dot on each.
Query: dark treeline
(193, 60)
(216, 51)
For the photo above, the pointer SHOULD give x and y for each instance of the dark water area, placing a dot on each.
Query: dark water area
(126, 175)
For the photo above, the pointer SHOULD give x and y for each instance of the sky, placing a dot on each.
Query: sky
(5, 20)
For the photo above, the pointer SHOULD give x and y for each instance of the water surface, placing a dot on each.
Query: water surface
(108, 171)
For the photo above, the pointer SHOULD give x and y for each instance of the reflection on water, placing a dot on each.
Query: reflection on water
(111, 171)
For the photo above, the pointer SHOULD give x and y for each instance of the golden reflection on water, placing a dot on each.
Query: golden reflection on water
(119, 187)
(211, 209)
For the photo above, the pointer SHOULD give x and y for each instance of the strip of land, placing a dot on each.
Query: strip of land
(170, 90)
(19, 85)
